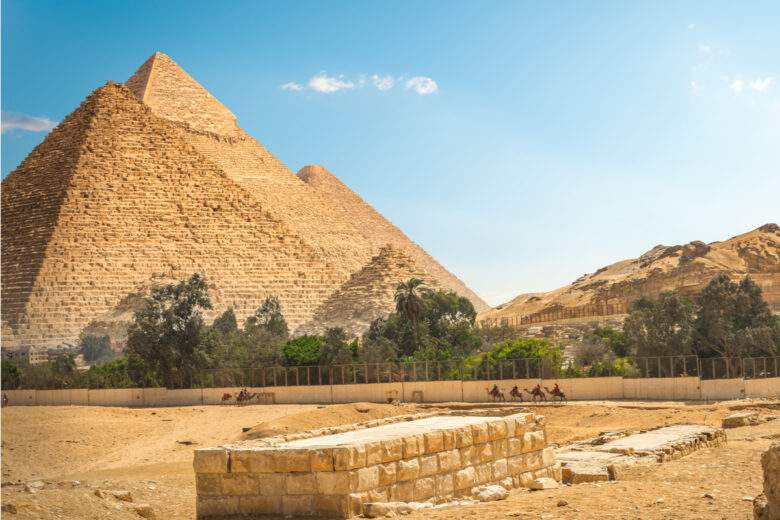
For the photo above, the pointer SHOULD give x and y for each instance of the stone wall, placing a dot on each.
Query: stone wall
(437, 463)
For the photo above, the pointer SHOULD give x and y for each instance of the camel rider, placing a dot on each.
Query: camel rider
(537, 388)
(556, 389)
(494, 390)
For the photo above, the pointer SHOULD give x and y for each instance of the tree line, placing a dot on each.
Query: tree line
(170, 344)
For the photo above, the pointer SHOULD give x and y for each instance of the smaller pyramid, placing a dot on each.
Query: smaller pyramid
(368, 294)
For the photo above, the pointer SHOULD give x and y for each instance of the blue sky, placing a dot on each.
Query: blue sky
(521, 143)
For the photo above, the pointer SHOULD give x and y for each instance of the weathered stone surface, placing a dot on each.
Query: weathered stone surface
(767, 505)
(210, 460)
(490, 493)
(735, 420)
(543, 483)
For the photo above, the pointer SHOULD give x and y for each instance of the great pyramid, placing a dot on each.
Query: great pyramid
(154, 180)
(682, 268)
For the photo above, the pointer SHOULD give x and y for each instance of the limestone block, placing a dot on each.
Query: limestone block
(522, 422)
(767, 505)
(463, 437)
(334, 483)
(449, 439)
(465, 478)
(533, 460)
(407, 469)
(497, 430)
(366, 478)
(321, 459)
(585, 473)
(468, 456)
(412, 446)
(483, 452)
(210, 460)
(239, 484)
(479, 433)
(208, 484)
(449, 461)
(424, 488)
(500, 469)
(292, 460)
(259, 504)
(270, 484)
(543, 483)
(500, 448)
(533, 441)
(444, 485)
(373, 453)
(297, 504)
(300, 484)
(484, 473)
(490, 493)
(434, 442)
(735, 420)
(349, 457)
(337, 506)
(402, 491)
(387, 474)
(239, 461)
(429, 465)
(392, 450)
(514, 446)
(216, 506)
(379, 495)
(548, 457)
(516, 465)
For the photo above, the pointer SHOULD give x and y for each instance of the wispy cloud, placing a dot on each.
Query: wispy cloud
(295, 87)
(329, 84)
(13, 121)
(423, 85)
(383, 82)
(325, 84)
(760, 85)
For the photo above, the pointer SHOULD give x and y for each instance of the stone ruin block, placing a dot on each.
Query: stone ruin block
(434, 459)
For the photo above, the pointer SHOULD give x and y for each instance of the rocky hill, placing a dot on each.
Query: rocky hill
(683, 268)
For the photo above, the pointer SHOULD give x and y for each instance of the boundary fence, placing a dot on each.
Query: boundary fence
(461, 370)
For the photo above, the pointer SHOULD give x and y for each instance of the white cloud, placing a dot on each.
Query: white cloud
(422, 85)
(737, 85)
(383, 82)
(760, 85)
(11, 121)
(329, 84)
(295, 87)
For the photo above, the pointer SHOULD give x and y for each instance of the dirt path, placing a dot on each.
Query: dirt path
(137, 450)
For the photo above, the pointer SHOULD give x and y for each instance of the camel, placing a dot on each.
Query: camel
(537, 392)
(496, 394)
(556, 392)
(516, 394)
(226, 397)
(244, 396)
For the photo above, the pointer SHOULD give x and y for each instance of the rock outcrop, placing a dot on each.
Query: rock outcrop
(767, 505)
(686, 269)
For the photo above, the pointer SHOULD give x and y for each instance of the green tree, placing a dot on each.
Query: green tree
(226, 322)
(165, 335)
(660, 327)
(113, 374)
(336, 349)
(303, 351)
(268, 317)
(735, 321)
(10, 375)
(95, 348)
(409, 305)
(614, 339)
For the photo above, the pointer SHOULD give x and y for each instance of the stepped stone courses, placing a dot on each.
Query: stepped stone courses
(147, 183)
(433, 460)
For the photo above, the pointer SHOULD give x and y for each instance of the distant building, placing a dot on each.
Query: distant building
(27, 355)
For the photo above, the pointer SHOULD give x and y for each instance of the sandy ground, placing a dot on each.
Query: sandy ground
(76, 450)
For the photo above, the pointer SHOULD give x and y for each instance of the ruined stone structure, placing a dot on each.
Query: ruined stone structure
(425, 460)
(147, 183)
(686, 269)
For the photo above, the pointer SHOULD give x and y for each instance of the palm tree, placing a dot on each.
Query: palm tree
(408, 303)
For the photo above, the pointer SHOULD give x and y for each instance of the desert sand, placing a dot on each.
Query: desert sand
(78, 450)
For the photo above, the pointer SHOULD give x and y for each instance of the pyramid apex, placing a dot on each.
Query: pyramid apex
(173, 94)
